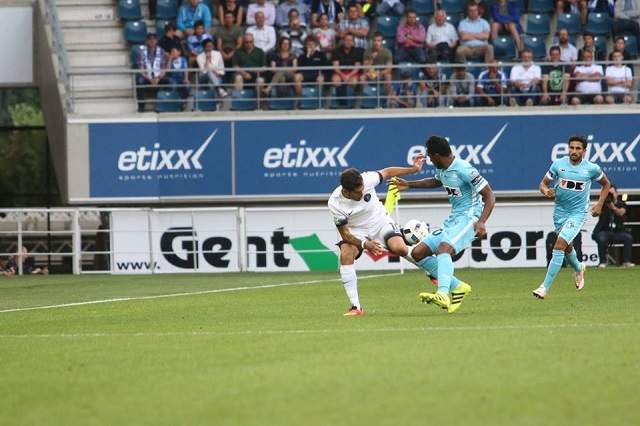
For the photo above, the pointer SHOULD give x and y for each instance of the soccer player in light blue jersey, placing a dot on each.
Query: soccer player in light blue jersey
(472, 201)
(571, 179)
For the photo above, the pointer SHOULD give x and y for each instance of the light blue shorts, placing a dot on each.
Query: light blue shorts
(567, 227)
(457, 231)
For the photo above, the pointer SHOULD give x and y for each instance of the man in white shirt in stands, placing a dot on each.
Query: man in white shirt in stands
(568, 52)
(442, 38)
(264, 6)
(211, 67)
(589, 81)
(264, 35)
(619, 81)
(525, 80)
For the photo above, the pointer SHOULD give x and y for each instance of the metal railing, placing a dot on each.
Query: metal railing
(58, 47)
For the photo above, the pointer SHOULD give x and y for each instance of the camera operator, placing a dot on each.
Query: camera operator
(610, 228)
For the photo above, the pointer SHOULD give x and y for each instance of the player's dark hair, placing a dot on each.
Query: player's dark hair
(579, 138)
(350, 179)
(438, 145)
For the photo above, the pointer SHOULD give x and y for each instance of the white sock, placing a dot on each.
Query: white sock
(350, 282)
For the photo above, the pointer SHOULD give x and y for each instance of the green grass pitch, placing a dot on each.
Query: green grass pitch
(285, 355)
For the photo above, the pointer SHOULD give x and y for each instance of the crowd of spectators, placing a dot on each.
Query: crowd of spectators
(223, 39)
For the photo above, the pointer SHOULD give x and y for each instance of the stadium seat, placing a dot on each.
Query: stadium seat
(570, 21)
(135, 32)
(453, 6)
(454, 19)
(504, 48)
(243, 100)
(537, 45)
(631, 45)
(387, 25)
(389, 43)
(342, 97)
(538, 24)
(599, 23)
(423, 7)
(129, 10)
(160, 24)
(283, 102)
(310, 98)
(168, 101)
(446, 71)
(370, 97)
(166, 9)
(600, 42)
(407, 66)
(135, 53)
(519, 3)
(541, 6)
(474, 69)
(206, 100)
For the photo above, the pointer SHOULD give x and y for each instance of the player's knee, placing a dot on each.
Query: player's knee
(348, 254)
(419, 252)
(445, 248)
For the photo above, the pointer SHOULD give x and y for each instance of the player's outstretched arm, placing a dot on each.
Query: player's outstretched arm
(489, 200)
(604, 191)
(425, 183)
(390, 172)
(544, 187)
(373, 246)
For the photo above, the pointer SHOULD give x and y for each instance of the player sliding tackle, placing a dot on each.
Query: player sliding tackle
(571, 177)
(465, 187)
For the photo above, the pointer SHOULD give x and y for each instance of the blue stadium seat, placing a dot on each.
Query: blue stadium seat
(135, 32)
(168, 101)
(283, 102)
(243, 100)
(310, 98)
(453, 6)
(520, 3)
(129, 10)
(206, 100)
(504, 48)
(474, 69)
(599, 23)
(631, 45)
(538, 24)
(371, 97)
(167, 9)
(454, 19)
(537, 45)
(342, 97)
(570, 21)
(423, 7)
(600, 42)
(541, 6)
(160, 24)
(446, 71)
(135, 53)
(387, 25)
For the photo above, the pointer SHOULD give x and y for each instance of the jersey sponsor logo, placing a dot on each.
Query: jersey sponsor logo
(602, 152)
(572, 185)
(452, 191)
(339, 221)
(303, 156)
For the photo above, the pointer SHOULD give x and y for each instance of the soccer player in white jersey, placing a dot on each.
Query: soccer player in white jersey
(465, 188)
(571, 178)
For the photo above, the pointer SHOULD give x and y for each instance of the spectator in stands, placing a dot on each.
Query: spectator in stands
(555, 80)
(266, 7)
(325, 35)
(282, 80)
(405, 92)
(390, 7)
(474, 36)
(377, 64)
(619, 81)
(229, 38)
(525, 80)
(12, 267)
(264, 35)
(190, 13)
(568, 52)
(282, 12)
(483, 10)
(312, 57)
(367, 9)
(410, 38)
(442, 38)
(491, 86)
(170, 38)
(610, 229)
(587, 39)
(196, 40)
(619, 45)
(346, 55)
(356, 26)
(588, 80)
(236, 10)
(212, 68)
(152, 63)
(249, 57)
(627, 18)
(332, 8)
(461, 89)
(178, 75)
(432, 86)
(506, 14)
(573, 6)
(295, 32)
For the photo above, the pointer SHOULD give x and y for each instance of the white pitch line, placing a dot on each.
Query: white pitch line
(162, 296)
(327, 331)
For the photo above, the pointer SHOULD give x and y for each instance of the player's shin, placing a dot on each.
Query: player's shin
(350, 282)
(445, 272)
(572, 258)
(430, 266)
(554, 267)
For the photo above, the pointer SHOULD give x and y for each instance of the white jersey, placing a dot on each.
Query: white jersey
(368, 214)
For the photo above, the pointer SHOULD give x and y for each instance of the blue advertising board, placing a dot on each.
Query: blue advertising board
(160, 159)
(512, 152)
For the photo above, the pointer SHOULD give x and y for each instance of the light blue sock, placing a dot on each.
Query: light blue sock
(430, 266)
(445, 272)
(572, 258)
(554, 267)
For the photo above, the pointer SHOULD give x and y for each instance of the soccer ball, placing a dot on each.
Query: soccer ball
(414, 231)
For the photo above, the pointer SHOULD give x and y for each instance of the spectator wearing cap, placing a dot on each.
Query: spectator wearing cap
(588, 78)
(619, 81)
(195, 41)
(229, 38)
(332, 8)
(568, 52)
(249, 56)
(410, 38)
(474, 37)
(356, 26)
(405, 92)
(442, 38)
(170, 38)
(525, 80)
(212, 69)
(588, 44)
(266, 7)
(264, 35)
(152, 64)
(461, 87)
(190, 13)
(506, 14)
(282, 12)
(491, 86)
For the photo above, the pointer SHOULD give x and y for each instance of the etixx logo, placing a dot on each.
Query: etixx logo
(601, 152)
